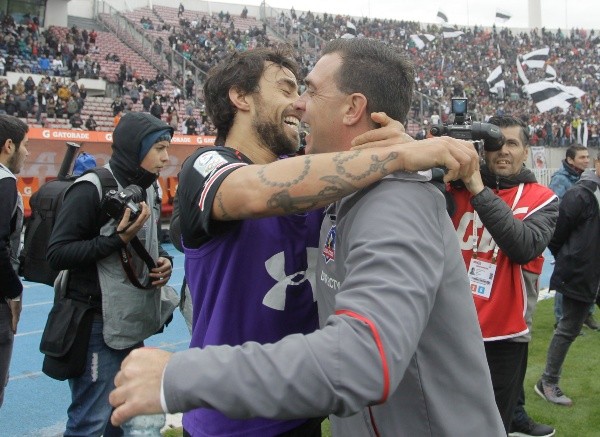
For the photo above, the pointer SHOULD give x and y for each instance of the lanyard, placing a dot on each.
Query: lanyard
(476, 221)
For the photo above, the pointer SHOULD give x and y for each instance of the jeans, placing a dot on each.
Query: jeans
(6, 345)
(507, 361)
(89, 412)
(569, 326)
(558, 298)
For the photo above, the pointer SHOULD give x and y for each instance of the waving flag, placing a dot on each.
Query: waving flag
(451, 32)
(547, 95)
(495, 80)
(502, 16)
(418, 40)
(442, 16)
(537, 58)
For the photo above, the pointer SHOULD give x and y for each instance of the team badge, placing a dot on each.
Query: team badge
(329, 248)
(208, 162)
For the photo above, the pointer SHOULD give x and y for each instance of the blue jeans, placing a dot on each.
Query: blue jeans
(569, 326)
(89, 412)
(6, 345)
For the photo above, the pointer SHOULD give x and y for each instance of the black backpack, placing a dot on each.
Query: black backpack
(45, 204)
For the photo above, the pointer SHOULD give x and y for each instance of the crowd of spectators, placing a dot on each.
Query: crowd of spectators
(447, 67)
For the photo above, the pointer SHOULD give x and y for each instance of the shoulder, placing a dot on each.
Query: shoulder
(209, 160)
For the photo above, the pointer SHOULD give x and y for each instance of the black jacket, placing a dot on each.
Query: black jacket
(76, 243)
(576, 244)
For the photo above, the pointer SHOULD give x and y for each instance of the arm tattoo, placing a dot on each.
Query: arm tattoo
(289, 204)
(377, 165)
(224, 214)
(264, 180)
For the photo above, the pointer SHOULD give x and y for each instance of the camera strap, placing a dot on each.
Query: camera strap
(126, 262)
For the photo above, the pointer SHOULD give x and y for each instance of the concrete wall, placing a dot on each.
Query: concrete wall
(56, 12)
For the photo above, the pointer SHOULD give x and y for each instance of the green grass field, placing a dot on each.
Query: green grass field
(580, 381)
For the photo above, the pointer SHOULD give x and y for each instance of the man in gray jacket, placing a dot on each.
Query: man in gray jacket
(399, 351)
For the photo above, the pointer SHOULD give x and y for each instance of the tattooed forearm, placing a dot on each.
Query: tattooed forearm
(377, 165)
(224, 214)
(336, 189)
(264, 180)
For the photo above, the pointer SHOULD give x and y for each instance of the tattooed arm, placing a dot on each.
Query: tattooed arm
(307, 182)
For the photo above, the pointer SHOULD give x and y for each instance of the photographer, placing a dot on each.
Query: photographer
(90, 245)
(504, 220)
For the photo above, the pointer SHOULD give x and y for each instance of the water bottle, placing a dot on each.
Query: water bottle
(147, 426)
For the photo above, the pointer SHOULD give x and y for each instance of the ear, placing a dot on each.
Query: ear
(238, 99)
(7, 147)
(355, 109)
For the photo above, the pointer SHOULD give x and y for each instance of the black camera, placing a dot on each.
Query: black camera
(462, 128)
(115, 202)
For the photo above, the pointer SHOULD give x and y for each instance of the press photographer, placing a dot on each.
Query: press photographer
(100, 313)
(505, 220)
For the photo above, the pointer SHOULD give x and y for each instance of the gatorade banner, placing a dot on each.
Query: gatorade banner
(47, 148)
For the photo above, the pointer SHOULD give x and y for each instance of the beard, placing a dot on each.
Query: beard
(13, 163)
(273, 135)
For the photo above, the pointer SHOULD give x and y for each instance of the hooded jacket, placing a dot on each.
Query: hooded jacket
(576, 241)
(564, 179)
(76, 243)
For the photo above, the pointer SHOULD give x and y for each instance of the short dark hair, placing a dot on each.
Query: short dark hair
(243, 71)
(573, 149)
(510, 121)
(11, 128)
(378, 71)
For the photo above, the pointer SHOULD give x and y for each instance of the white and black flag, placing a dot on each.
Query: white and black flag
(350, 30)
(502, 16)
(496, 80)
(547, 95)
(442, 16)
(550, 75)
(451, 32)
(421, 40)
(537, 58)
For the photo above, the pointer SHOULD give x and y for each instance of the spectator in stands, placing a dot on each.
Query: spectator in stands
(2, 65)
(72, 107)
(156, 109)
(11, 105)
(61, 108)
(173, 120)
(146, 102)
(82, 91)
(63, 93)
(90, 123)
(51, 107)
(176, 94)
(44, 64)
(244, 13)
(191, 124)
(93, 35)
(117, 105)
(189, 87)
(76, 120)
(117, 118)
(134, 94)
(180, 10)
(23, 106)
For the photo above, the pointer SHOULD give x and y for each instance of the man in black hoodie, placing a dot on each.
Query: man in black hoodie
(576, 248)
(90, 246)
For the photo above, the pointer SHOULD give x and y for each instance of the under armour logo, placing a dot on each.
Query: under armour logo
(275, 297)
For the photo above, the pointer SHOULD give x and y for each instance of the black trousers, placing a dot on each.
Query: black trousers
(507, 361)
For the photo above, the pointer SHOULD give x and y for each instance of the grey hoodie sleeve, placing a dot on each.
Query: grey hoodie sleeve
(392, 274)
(520, 240)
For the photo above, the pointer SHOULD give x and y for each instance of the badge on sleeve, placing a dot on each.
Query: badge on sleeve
(208, 162)
(481, 277)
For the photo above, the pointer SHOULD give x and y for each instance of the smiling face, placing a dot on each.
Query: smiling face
(156, 158)
(509, 160)
(275, 120)
(322, 105)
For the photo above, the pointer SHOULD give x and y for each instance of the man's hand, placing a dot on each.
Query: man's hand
(128, 230)
(162, 272)
(390, 133)
(15, 308)
(474, 183)
(459, 157)
(138, 384)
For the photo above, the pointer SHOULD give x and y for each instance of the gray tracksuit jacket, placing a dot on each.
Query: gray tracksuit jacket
(399, 352)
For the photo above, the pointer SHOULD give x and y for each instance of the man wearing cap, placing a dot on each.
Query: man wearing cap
(90, 245)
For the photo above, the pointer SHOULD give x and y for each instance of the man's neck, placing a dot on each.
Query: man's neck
(250, 146)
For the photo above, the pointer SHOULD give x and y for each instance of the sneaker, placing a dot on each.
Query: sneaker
(591, 323)
(530, 428)
(552, 393)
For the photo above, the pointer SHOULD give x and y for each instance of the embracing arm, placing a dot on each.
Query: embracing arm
(308, 182)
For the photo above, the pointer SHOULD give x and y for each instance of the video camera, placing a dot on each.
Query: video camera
(463, 129)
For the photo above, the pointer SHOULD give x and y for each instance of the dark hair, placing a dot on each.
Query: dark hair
(243, 71)
(11, 128)
(378, 71)
(573, 149)
(510, 121)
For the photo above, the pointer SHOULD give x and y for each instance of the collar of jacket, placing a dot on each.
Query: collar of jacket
(496, 182)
